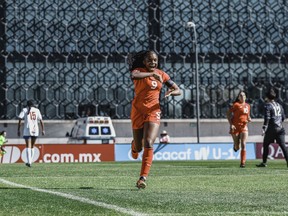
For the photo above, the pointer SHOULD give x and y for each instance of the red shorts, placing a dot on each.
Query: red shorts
(239, 129)
(139, 116)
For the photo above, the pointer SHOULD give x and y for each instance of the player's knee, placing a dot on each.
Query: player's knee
(138, 145)
(148, 143)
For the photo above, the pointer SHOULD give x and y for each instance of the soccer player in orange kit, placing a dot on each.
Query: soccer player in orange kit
(145, 112)
(238, 117)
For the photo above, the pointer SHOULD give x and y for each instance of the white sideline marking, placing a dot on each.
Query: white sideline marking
(77, 198)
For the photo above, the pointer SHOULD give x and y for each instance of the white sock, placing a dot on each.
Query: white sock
(28, 155)
(32, 154)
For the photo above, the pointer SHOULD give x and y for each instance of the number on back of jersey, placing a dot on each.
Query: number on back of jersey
(277, 109)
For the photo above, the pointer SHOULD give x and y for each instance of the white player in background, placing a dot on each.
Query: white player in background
(31, 116)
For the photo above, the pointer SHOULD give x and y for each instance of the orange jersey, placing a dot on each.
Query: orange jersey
(146, 105)
(241, 113)
(147, 90)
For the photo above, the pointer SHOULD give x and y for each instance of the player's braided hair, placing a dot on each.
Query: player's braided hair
(136, 60)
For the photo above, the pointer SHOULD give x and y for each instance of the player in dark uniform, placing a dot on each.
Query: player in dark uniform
(273, 127)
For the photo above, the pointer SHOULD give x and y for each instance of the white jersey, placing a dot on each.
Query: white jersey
(31, 120)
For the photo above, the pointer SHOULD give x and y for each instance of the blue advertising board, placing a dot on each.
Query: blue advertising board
(169, 152)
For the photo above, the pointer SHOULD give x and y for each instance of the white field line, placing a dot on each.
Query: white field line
(77, 198)
(246, 213)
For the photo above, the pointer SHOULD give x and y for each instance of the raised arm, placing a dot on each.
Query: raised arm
(140, 75)
(173, 90)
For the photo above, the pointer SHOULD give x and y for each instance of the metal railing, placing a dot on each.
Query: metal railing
(71, 56)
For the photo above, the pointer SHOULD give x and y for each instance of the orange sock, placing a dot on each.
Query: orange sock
(146, 161)
(243, 156)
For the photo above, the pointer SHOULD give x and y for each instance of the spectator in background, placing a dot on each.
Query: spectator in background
(273, 127)
(164, 137)
(2, 142)
(145, 113)
(238, 116)
(31, 116)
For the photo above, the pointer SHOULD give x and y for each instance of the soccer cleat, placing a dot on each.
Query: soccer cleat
(141, 183)
(28, 165)
(133, 152)
(242, 165)
(261, 165)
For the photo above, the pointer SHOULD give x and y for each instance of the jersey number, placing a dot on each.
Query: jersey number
(245, 110)
(154, 84)
(277, 109)
(158, 115)
(32, 115)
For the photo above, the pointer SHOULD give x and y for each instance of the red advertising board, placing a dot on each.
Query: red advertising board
(275, 152)
(60, 153)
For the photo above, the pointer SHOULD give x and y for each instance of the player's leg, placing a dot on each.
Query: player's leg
(136, 144)
(243, 140)
(268, 139)
(150, 134)
(137, 127)
(2, 152)
(236, 141)
(33, 141)
(280, 139)
(28, 150)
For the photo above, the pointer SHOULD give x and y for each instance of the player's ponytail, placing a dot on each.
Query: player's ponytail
(29, 104)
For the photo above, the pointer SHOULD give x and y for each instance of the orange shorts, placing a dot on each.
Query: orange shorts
(139, 116)
(239, 129)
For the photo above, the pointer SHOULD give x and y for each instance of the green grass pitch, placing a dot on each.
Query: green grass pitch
(173, 188)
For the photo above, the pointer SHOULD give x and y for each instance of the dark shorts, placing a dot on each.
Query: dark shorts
(28, 137)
